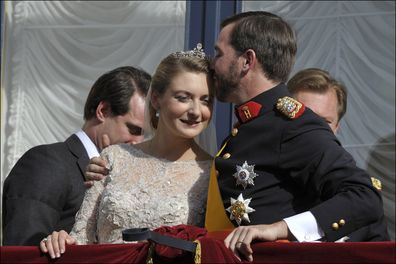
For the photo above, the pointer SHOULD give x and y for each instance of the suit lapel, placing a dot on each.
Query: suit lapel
(77, 149)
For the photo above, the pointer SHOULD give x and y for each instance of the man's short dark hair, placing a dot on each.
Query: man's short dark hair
(271, 37)
(116, 88)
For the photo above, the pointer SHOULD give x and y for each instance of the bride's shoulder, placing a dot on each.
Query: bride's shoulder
(120, 147)
(205, 157)
(202, 155)
(120, 151)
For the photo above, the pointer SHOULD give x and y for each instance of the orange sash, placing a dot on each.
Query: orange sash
(216, 218)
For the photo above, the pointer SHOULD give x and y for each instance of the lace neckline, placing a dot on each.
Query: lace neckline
(142, 153)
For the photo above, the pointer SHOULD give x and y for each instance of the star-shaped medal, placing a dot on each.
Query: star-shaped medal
(240, 209)
(245, 175)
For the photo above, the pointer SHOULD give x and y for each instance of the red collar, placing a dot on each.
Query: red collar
(247, 111)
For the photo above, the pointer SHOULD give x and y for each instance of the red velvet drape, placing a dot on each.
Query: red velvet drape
(212, 251)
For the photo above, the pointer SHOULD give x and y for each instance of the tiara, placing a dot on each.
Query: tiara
(196, 52)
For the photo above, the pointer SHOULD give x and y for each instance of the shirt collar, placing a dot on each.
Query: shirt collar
(89, 146)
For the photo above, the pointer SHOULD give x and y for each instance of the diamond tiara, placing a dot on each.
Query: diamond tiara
(196, 52)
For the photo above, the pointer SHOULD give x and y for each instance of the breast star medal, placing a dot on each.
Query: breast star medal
(245, 175)
(240, 209)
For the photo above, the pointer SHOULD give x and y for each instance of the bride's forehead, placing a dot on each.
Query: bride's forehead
(190, 83)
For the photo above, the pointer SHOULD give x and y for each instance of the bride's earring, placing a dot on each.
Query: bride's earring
(157, 114)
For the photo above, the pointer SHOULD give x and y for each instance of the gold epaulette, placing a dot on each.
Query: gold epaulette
(290, 107)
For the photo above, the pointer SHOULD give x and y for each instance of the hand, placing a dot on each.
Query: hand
(96, 171)
(240, 238)
(55, 244)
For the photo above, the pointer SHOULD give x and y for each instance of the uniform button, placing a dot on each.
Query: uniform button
(234, 132)
(307, 237)
(226, 156)
(341, 222)
(376, 183)
(334, 226)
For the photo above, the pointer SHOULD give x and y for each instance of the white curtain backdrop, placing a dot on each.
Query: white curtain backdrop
(55, 50)
(355, 42)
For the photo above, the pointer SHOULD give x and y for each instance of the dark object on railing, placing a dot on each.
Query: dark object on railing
(140, 234)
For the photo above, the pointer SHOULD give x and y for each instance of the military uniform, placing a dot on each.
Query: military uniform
(293, 163)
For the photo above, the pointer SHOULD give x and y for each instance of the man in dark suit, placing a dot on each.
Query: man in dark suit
(327, 97)
(281, 173)
(45, 188)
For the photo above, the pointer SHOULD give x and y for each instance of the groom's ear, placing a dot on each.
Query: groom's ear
(102, 111)
(249, 61)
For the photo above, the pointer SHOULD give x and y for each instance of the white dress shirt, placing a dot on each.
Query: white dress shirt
(89, 146)
(304, 227)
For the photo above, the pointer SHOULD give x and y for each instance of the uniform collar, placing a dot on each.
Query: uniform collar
(260, 104)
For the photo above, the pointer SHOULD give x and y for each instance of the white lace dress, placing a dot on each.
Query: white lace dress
(141, 191)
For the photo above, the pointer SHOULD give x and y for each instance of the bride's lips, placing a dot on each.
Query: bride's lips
(190, 122)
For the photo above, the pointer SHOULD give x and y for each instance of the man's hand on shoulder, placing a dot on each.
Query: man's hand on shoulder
(96, 171)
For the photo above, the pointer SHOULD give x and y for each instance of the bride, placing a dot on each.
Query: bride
(162, 181)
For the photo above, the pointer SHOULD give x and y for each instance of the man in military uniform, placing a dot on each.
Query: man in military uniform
(281, 174)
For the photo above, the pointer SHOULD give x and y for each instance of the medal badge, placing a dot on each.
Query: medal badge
(290, 107)
(240, 209)
(376, 183)
(245, 175)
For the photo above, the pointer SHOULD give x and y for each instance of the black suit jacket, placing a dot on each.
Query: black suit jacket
(44, 191)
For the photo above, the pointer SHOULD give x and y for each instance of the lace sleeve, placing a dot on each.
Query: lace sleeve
(84, 229)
